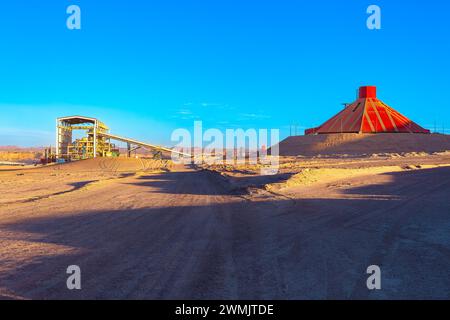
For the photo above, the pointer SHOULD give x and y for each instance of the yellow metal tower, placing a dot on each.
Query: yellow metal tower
(93, 145)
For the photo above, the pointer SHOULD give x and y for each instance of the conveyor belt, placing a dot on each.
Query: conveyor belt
(140, 143)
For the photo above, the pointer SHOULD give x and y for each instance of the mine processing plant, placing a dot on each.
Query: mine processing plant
(96, 142)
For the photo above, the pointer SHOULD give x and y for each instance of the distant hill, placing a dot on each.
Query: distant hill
(20, 154)
(21, 149)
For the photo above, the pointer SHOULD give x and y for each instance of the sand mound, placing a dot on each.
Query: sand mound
(311, 176)
(113, 164)
(364, 144)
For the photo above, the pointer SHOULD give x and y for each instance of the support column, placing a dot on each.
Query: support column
(95, 139)
(57, 139)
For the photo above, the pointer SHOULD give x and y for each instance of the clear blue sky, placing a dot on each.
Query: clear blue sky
(148, 67)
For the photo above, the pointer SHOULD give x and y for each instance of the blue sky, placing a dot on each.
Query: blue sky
(149, 67)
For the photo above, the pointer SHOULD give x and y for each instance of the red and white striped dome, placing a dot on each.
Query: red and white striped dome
(368, 114)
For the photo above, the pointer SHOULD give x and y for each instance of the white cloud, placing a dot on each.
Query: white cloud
(184, 112)
(247, 116)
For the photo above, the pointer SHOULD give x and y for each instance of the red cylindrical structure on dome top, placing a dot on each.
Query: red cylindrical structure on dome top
(368, 92)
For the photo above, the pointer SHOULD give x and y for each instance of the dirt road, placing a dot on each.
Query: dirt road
(187, 235)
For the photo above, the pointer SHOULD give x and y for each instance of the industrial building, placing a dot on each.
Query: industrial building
(96, 142)
(364, 127)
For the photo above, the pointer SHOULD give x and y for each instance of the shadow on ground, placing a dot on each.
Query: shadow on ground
(313, 249)
(169, 182)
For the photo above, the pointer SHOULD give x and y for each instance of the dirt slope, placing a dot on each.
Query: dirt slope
(359, 144)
